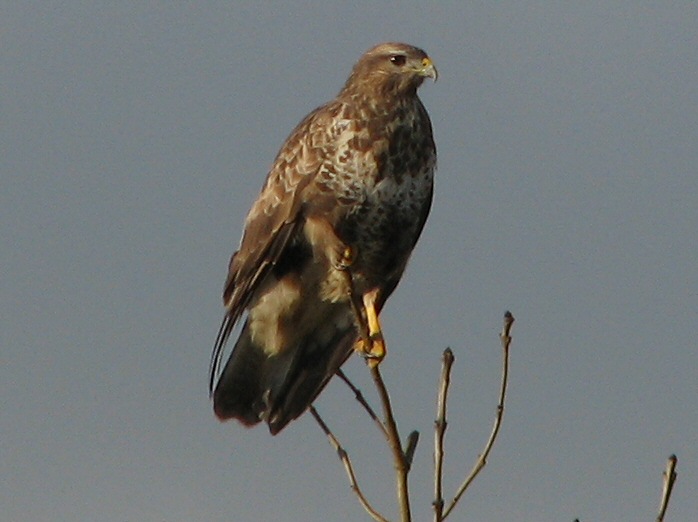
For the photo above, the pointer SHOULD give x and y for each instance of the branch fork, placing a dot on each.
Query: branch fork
(403, 455)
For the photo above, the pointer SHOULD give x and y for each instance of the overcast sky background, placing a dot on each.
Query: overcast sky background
(135, 136)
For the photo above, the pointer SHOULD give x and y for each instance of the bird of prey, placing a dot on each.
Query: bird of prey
(327, 240)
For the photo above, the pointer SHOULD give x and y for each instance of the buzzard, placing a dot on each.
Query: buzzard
(327, 241)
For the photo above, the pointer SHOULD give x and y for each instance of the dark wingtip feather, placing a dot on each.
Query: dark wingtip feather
(217, 354)
(237, 394)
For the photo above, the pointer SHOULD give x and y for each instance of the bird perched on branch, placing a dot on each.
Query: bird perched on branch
(327, 241)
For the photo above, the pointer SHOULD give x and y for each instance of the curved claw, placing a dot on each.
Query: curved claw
(375, 352)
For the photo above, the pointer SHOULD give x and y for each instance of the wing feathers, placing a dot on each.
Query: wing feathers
(241, 286)
(271, 224)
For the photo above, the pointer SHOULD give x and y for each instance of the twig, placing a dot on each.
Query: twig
(360, 398)
(399, 458)
(392, 435)
(482, 460)
(439, 432)
(344, 457)
(410, 447)
(669, 479)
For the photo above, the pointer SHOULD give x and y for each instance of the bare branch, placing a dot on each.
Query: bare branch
(439, 432)
(410, 447)
(482, 459)
(399, 458)
(360, 398)
(669, 479)
(344, 457)
(392, 435)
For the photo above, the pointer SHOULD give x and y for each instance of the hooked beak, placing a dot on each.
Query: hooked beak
(428, 70)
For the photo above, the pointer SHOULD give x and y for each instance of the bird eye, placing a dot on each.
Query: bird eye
(398, 59)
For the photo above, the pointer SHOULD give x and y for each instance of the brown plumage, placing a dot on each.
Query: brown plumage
(340, 212)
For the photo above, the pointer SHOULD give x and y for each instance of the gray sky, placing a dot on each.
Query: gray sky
(135, 136)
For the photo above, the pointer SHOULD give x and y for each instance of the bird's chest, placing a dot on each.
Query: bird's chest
(380, 174)
(385, 225)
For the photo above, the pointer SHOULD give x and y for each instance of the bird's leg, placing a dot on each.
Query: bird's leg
(320, 233)
(371, 345)
(322, 237)
(370, 335)
(377, 350)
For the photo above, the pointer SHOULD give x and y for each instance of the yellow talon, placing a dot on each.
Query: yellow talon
(346, 259)
(373, 348)
(374, 353)
(348, 254)
(377, 352)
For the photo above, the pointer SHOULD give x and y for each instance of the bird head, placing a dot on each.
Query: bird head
(393, 69)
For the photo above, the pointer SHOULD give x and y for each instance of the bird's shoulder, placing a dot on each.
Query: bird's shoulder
(291, 185)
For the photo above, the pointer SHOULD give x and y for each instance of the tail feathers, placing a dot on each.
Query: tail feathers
(277, 388)
(238, 392)
(312, 372)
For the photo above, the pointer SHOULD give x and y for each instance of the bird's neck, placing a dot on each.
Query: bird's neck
(370, 105)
